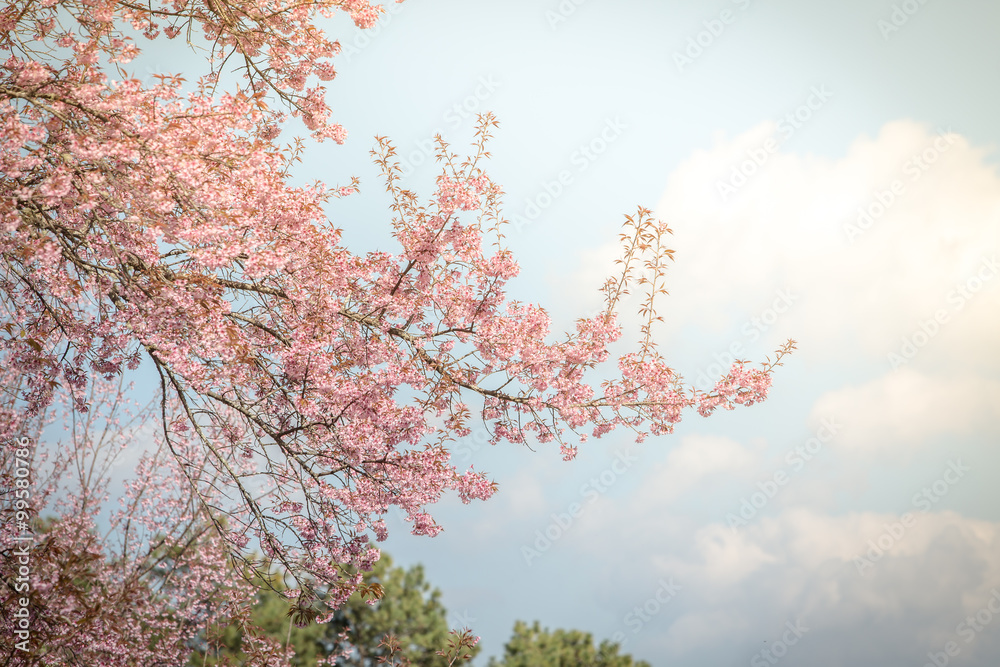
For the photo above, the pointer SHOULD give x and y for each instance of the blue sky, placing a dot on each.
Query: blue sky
(829, 171)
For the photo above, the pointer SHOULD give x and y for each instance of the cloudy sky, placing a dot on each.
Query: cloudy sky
(829, 171)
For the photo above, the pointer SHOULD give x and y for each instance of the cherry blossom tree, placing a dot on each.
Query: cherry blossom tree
(305, 389)
(147, 588)
(152, 582)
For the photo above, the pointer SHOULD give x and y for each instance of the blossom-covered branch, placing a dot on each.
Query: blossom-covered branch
(321, 386)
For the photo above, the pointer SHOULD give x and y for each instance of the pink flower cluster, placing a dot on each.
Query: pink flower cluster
(152, 586)
(314, 387)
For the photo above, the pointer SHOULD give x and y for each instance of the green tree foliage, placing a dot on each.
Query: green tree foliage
(536, 647)
(409, 609)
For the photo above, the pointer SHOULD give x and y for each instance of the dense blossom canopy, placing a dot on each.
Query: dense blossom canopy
(306, 389)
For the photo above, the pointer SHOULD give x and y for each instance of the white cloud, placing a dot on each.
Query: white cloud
(692, 461)
(795, 225)
(905, 408)
(857, 298)
(905, 598)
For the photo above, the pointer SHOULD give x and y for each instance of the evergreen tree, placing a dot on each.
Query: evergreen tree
(537, 647)
(409, 609)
